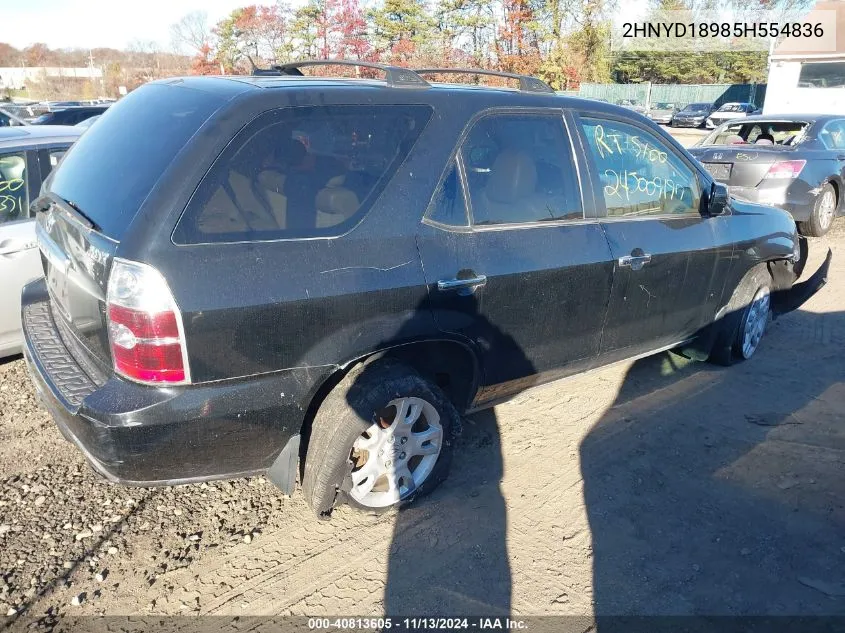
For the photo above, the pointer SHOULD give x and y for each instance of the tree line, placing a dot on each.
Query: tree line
(565, 42)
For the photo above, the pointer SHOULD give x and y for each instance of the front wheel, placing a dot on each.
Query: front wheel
(382, 437)
(823, 213)
(746, 319)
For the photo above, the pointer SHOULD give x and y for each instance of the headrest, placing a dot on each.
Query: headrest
(338, 200)
(337, 181)
(513, 176)
(735, 139)
(12, 167)
(764, 141)
(272, 181)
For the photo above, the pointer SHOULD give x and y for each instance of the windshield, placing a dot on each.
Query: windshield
(114, 166)
(731, 107)
(697, 107)
(664, 106)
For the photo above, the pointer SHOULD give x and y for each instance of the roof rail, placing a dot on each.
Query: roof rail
(526, 82)
(394, 75)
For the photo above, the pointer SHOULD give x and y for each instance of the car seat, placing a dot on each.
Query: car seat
(335, 203)
(509, 195)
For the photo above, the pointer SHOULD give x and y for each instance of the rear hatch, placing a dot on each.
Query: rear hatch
(91, 199)
(76, 260)
(740, 165)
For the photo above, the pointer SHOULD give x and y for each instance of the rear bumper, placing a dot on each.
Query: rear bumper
(794, 196)
(145, 436)
(687, 122)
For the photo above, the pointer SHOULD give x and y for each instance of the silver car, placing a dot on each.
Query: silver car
(27, 155)
(662, 112)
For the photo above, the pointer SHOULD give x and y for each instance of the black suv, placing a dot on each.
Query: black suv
(324, 273)
(70, 115)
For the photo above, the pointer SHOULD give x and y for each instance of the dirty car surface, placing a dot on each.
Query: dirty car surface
(332, 270)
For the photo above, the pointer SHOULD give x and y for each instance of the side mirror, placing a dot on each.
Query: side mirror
(717, 201)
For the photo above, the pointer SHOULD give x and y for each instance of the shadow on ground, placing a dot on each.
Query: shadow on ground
(714, 491)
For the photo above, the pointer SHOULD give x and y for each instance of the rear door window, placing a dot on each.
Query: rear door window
(833, 134)
(113, 167)
(519, 169)
(301, 172)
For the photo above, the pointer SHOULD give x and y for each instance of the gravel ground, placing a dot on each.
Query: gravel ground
(650, 487)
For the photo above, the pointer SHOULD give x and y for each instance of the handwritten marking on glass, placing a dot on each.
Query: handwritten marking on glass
(11, 204)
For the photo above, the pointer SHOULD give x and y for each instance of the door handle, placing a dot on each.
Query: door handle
(11, 247)
(636, 262)
(463, 286)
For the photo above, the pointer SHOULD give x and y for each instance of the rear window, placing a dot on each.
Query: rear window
(760, 133)
(112, 168)
(301, 172)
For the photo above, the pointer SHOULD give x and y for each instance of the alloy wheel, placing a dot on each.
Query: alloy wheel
(393, 457)
(827, 209)
(756, 321)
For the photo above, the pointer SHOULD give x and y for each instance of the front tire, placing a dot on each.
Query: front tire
(823, 213)
(382, 437)
(746, 319)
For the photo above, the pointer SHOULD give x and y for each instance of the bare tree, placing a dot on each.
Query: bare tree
(192, 32)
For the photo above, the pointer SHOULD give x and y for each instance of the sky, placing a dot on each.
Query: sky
(117, 23)
(100, 23)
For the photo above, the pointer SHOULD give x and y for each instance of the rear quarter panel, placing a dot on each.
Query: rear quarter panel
(258, 307)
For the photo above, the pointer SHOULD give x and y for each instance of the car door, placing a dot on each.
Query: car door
(514, 261)
(668, 255)
(19, 260)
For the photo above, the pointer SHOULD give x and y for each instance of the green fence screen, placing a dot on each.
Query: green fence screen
(678, 94)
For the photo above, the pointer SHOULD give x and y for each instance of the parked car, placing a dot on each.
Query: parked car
(795, 162)
(69, 115)
(9, 119)
(728, 111)
(337, 268)
(27, 155)
(631, 104)
(692, 115)
(662, 112)
(86, 123)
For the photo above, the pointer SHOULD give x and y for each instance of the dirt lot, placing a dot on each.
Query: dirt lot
(658, 487)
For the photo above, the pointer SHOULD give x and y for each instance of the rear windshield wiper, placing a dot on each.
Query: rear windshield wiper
(88, 222)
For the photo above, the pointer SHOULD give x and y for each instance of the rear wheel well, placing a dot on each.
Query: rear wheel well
(449, 365)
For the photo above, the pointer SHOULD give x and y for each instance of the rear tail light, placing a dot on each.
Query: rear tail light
(785, 169)
(145, 326)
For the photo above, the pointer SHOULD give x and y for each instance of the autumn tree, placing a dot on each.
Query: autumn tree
(400, 27)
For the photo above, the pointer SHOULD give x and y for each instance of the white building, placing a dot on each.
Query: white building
(17, 77)
(808, 81)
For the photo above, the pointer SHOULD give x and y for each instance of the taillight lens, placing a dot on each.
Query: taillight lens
(785, 169)
(145, 326)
